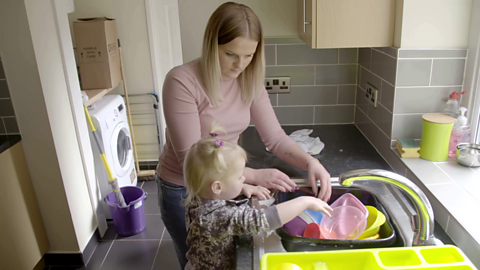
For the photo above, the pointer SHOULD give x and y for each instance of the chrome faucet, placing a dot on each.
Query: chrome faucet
(423, 236)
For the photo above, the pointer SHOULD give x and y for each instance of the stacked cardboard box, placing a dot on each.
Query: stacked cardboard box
(98, 55)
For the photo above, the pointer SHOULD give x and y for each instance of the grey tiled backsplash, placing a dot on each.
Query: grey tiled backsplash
(323, 82)
(410, 85)
(8, 122)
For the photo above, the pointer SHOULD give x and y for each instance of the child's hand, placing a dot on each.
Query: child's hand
(318, 205)
(249, 190)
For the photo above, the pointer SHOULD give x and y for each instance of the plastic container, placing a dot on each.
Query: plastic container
(296, 226)
(346, 223)
(445, 257)
(348, 199)
(451, 108)
(460, 133)
(374, 221)
(129, 220)
(315, 215)
(387, 232)
(313, 230)
(436, 131)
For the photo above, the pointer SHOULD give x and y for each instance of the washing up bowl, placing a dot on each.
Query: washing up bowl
(387, 231)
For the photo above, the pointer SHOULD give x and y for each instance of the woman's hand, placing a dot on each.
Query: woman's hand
(273, 179)
(317, 171)
(249, 190)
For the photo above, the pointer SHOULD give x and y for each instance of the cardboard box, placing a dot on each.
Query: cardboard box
(98, 56)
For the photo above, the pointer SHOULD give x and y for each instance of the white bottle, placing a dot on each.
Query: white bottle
(460, 133)
(451, 108)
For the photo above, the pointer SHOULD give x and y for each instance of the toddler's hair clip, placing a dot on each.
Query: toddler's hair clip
(219, 143)
(213, 134)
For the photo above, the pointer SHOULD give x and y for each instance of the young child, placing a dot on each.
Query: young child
(213, 172)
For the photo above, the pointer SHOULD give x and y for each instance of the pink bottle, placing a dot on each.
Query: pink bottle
(460, 133)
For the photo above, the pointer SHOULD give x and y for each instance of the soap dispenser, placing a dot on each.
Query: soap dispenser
(460, 133)
(451, 108)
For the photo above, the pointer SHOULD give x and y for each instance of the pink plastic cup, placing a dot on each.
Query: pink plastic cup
(346, 223)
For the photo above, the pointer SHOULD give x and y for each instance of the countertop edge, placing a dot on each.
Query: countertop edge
(448, 185)
(7, 141)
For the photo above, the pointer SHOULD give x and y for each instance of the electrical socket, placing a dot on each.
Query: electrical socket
(372, 95)
(277, 85)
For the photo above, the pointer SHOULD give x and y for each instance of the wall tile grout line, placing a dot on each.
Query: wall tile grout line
(4, 126)
(276, 55)
(389, 137)
(308, 65)
(436, 58)
(377, 75)
(385, 53)
(429, 86)
(431, 74)
(378, 102)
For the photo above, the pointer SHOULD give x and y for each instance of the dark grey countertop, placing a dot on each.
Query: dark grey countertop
(345, 149)
(7, 141)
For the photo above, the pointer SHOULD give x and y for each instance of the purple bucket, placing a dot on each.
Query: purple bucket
(129, 220)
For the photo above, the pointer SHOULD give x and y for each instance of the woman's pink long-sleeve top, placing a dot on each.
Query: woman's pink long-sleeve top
(190, 115)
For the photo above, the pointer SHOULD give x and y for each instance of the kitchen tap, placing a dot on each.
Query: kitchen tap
(423, 236)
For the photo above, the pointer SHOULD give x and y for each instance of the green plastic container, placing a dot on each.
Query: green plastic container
(436, 131)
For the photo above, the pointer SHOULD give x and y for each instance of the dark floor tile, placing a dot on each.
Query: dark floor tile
(166, 235)
(128, 255)
(166, 257)
(99, 255)
(111, 232)
(150, 187)
(140, 183)
(153, 230)
(151, 204)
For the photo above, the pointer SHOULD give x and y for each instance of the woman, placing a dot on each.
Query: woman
(225, 86)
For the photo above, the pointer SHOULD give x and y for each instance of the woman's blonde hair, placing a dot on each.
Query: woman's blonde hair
(229, 21)
(208, 160)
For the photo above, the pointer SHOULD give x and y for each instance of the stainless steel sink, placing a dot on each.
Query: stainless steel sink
(402, 213)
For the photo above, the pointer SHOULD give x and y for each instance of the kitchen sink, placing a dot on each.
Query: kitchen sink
(388, 231)
(396, 233)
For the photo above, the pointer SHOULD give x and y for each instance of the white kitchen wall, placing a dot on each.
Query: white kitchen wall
(278, 17)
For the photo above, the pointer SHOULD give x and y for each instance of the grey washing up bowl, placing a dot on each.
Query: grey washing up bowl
(468, 154)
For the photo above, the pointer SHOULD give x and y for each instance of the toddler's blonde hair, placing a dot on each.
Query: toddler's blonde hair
(206, 162)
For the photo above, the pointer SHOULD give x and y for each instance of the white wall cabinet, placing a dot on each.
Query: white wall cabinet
(346, 23)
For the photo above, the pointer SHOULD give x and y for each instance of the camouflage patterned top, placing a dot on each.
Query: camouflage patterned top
(212, 225)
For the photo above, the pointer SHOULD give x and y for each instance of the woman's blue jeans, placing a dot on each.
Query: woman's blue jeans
(170, 197)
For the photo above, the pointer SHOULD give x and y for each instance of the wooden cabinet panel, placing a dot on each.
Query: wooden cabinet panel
(23, 237)
(347, 23)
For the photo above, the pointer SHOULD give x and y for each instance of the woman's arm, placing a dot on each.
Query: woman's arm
(297, 157)
(285, 148)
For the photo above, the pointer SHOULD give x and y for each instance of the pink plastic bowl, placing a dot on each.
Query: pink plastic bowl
(350, 200)
(346, 223)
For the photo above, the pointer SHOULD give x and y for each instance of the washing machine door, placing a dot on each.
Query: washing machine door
(121, 147)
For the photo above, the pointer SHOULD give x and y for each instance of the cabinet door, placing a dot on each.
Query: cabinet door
(307, 22)
(349, 23)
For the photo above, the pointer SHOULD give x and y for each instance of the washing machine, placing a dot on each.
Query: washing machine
(109, 116)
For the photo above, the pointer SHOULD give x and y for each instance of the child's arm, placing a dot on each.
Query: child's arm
(290, 209)
(249, 190)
